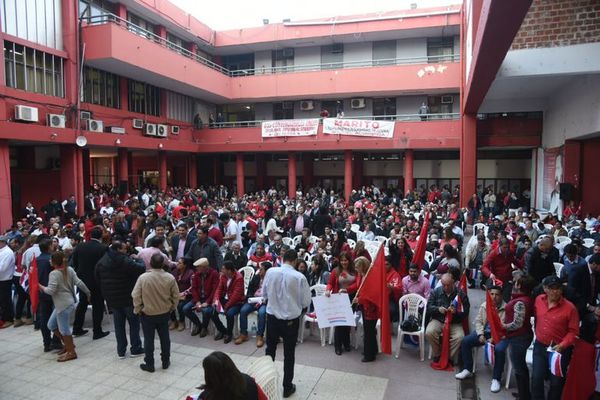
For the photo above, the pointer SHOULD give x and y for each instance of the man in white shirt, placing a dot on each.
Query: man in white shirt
(7, 270)
(232, 233)
(287, 293)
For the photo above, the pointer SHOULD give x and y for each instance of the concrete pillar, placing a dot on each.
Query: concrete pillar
(71, 178)
(6, 217)
(468, 159)
(86, 170)
(239, 173)
(121, 10)
(71, 47)
(292, 173)
(409, 161)
(162, 170)
(347, 174)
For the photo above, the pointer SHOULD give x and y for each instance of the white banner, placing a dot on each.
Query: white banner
(359, 127)
(290, 127)
(334, 310)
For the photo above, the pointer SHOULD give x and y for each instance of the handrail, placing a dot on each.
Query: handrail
(112, 18)
(398, 117)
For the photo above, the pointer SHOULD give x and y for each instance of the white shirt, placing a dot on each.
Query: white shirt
(287, 292)
(232, 229)
(7, 263)
(30, 253)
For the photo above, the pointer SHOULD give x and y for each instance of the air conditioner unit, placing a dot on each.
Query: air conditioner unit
(288, 105)
(117, 129)
(138, 124)
(83, 115)
(288, 52)
(56, 120)
(174, 130)
(26, 113)
(307, 105)
(150, 130)
(162, 130)
(337, 48)
(447, 99)
(95, 125)
(357, 103)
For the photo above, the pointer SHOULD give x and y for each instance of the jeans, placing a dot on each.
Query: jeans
(160, 324)
(22, 298)
(518, 351)
(6, 303)
(179, 311)
(541, 371)
(288, 331)
(230, 315)
(61, 320)
(471, 341)
(97, 310)
(44, 311)
(120, 315)
(262, 318)
(207, 313)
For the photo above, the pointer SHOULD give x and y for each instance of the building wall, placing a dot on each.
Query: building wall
(354, 52)
(551, 23)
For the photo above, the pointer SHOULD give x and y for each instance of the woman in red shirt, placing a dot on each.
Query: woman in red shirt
(342, 280)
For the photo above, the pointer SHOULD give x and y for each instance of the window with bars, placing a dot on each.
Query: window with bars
(140, 26)
(176, 43)
(440, 49)
(38, 21)
(144, 98)
(101, 88)
(33, 70)
(180, 107)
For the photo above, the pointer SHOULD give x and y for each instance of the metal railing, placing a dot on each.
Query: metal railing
(398, 118)
(114, 19)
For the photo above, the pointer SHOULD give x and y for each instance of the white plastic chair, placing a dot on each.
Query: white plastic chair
(355, 228)
(265, 374)
(319, 290)
(589, 243)
(296, 240)
(381, 239)
(429, 257)
(351, 243)
(480, 226)
(248, 272)
(508, 367)
(563, 240)
(558, 267)
(289, 242)
(411, 304)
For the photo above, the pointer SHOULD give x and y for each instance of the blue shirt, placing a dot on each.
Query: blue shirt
(569, 266)
(287, 292)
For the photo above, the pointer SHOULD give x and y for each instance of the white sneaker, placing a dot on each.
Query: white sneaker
(464, 374)
(495, 388)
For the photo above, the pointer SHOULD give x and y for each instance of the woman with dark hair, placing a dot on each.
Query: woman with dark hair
(400, 255)
(339, 244)
(342, 280)
(183, 275)
(450, 259)
(448, 237)
(319, 271)
(223, 381)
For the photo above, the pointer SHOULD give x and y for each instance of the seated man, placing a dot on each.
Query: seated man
(416, 283)
(229, 296)
(255, 290)
(479, 337)
(441, 302)
(204, 286)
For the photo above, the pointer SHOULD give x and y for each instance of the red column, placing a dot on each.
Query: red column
(239, 172)
(308, 166)
(193, 171)
(130, 171)
(468, 158)
(358, 170)
(70, 44)
(347, 174)
(409, 160)
(162, 170)
(121, 11)
(123, 171)
(162, 32)
(123, 95)
(71, 178)
(85, 169)
(113, 170)
(292, 175)
(6, 217)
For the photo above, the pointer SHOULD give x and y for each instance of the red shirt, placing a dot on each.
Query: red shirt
(216, 235)
(500, 265)
(556, 325)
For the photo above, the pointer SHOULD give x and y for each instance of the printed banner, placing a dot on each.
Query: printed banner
(290, 127)
(359, 127)
(334, 310)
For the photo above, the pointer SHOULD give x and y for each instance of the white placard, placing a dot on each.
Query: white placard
(290, 127)
(255, 300)
(334, 310)
(359, 127)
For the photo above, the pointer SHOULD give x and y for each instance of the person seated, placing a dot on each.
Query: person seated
(259, 256)
(255, 290)
(580, 232)
(481, 335)
(228, 299)
(441, 302)
(416, 283)
(236, 256)
(571, 260)
(183, 276)
(202, 290)
(319, 271)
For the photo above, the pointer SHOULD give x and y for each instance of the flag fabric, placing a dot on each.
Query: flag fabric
(374, 289)
(34, 286)
(462, 285)
(582, 374)
(444, 363)
(419, 254)
(457, 303)
(496, 328)
(489, 356)
(554, 361)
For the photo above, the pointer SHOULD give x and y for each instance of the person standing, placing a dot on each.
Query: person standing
(45, 306)
(7, 270)
(287, 293)
(116, 274)
(155, 295)
(84, 259)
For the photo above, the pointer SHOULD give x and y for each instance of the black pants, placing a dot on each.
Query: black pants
(6, 303)
(370, 338)
(44, 310)
(288, 331)
(22, 299)
(97, 311)
(160, 324)
(341, 337)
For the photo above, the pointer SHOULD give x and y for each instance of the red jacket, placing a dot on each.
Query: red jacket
(333, 283)
(394, 278)
(210, 281)
(370, 310)
(216, 235)
(500, 265)
(235, 290)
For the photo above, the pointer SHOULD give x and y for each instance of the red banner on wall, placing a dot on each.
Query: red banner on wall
(553, 175)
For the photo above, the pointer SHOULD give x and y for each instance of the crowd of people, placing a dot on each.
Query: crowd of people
(164, 259)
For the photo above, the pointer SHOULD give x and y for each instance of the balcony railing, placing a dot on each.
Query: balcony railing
(399, 118)
(114, 19)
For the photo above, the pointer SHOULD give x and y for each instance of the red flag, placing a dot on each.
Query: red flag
(419, 255)
(444, 363)
(493, 319)
(462, 285)
(581, 380)
(374, 289)
(34, 286)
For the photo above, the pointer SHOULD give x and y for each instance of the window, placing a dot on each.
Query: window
(38, 21)
(239, 62)
(384, 52)
(384, 108)
(94, 8)
(140, 26)
(144, 98)
(332, 56)
(176, 43)
(100, 87)
(33, 70)
(180, 107)
(440, 49)
(440, 105)
(282, 59)
(284, 110)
